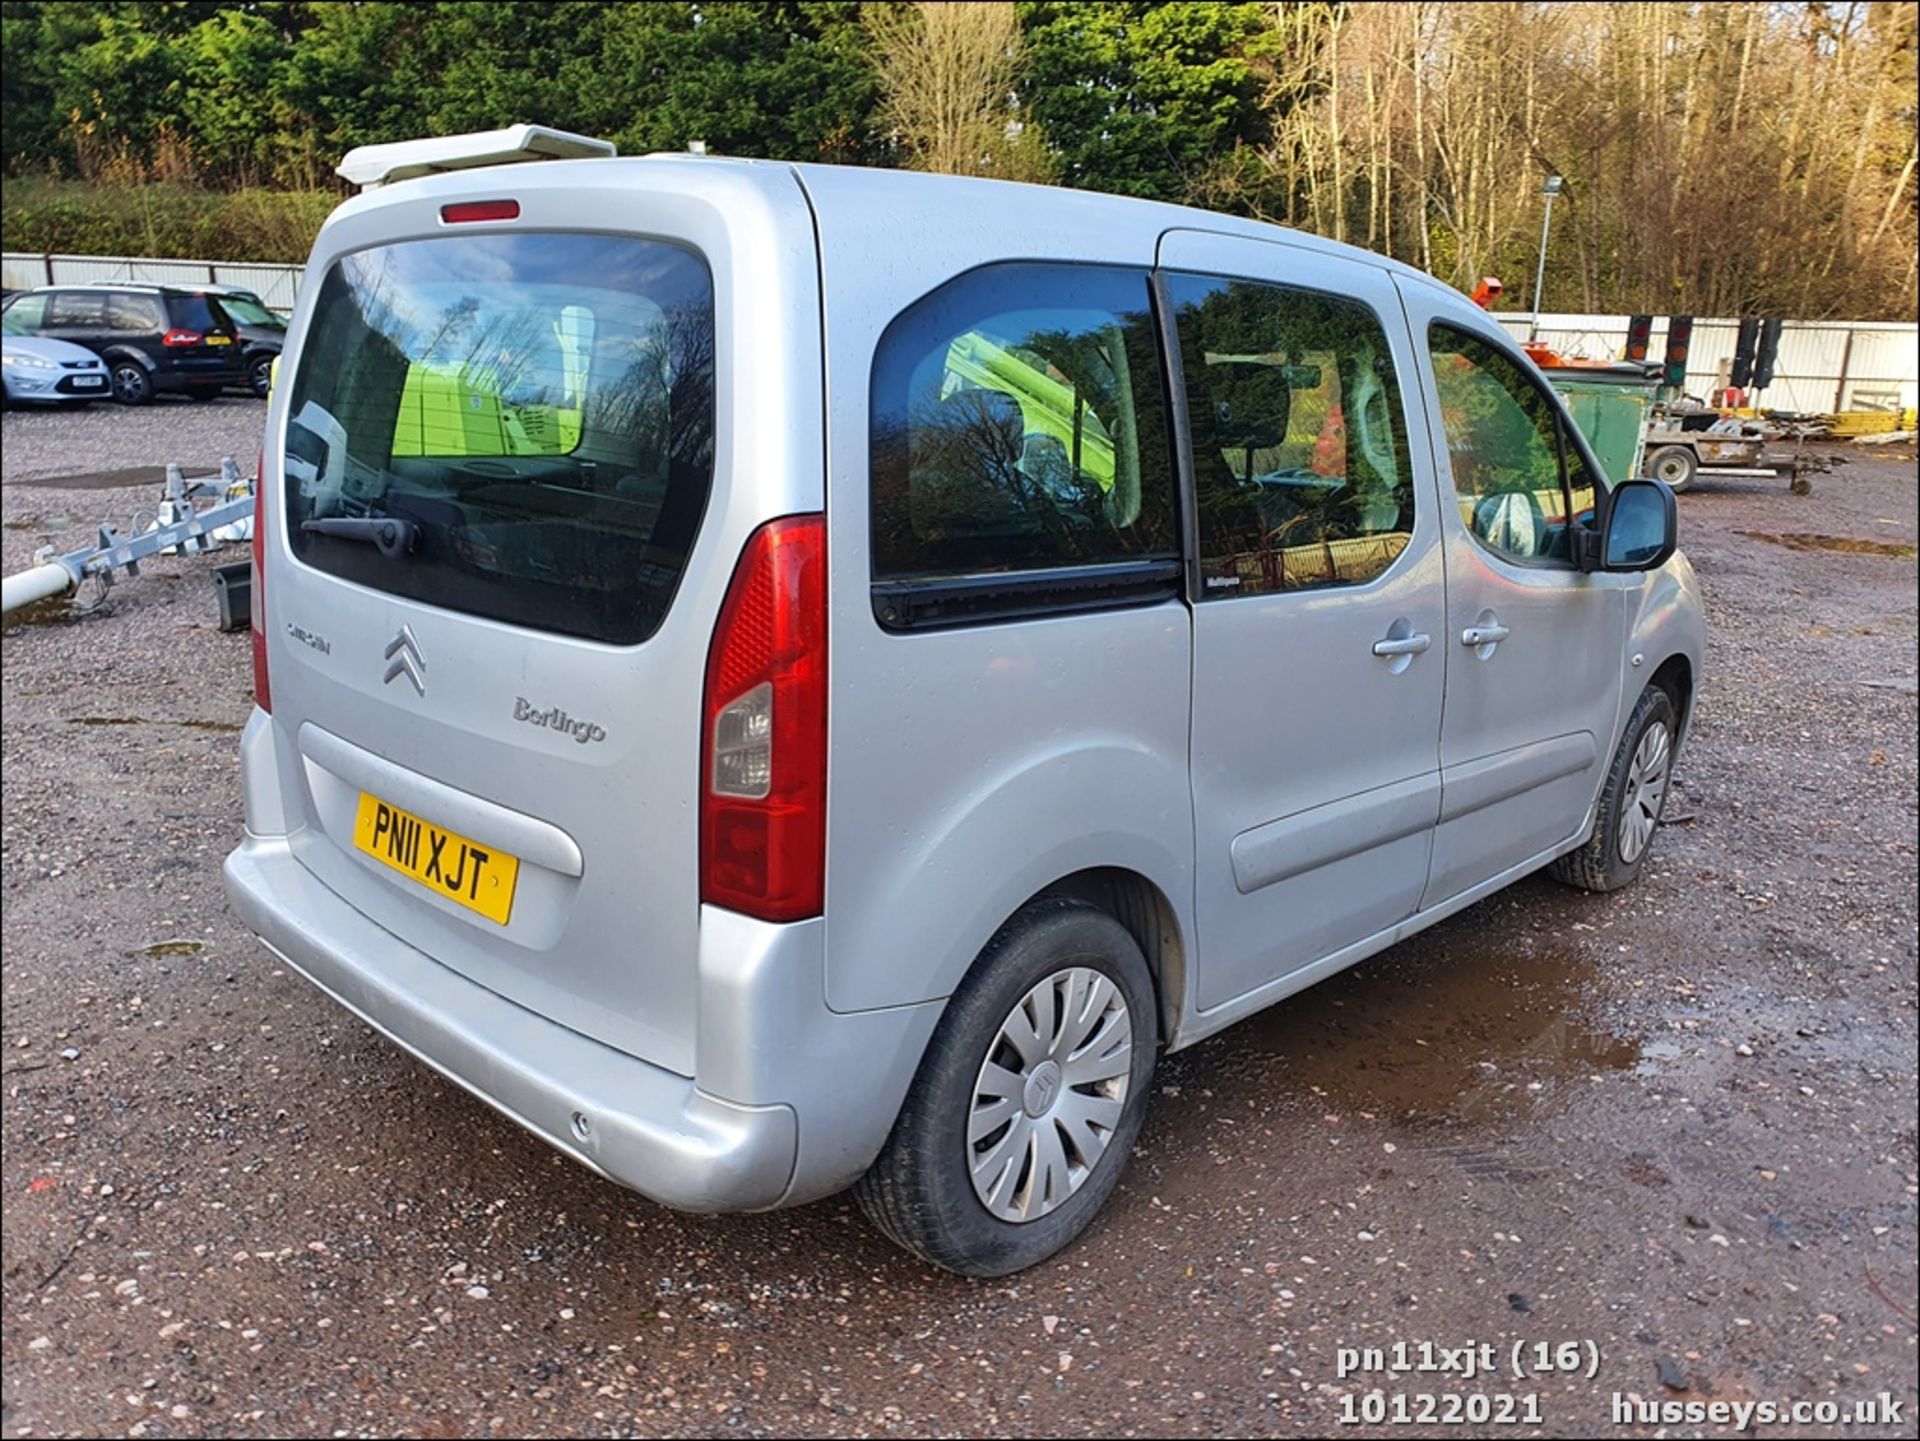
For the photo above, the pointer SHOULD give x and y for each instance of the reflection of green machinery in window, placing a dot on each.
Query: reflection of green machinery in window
(1049, 407)
(525, 397)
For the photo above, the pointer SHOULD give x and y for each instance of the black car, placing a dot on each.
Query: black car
(262, 333)
(154, 338)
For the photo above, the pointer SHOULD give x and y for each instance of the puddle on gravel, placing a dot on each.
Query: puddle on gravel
(1804, 540)
(222, 727)
(124, 479)
(1437, 1033)
(180, 947)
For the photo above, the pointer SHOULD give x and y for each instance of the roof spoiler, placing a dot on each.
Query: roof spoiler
(371, 165)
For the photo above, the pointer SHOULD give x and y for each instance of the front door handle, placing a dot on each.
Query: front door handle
(1402, 645)
(1479, 635)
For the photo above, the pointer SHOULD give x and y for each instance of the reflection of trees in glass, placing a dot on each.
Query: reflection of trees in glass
(1023, 436)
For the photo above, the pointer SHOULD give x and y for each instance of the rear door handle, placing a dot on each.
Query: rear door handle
(1478, 635)
(1402, 645)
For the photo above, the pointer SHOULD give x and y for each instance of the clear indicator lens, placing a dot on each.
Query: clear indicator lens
(743, 746)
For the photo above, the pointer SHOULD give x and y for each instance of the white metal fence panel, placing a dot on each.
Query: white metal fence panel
(276, 285)
(1822, 366)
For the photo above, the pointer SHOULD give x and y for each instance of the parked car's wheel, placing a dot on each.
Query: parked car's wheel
(1630, 806)
(131, 383)
(1674, 464)
(260, 375)
(1028, 1100)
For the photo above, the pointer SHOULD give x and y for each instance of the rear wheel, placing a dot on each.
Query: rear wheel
(1028, 1101)
(1630, 806)
(131, 383)
(1674, 464)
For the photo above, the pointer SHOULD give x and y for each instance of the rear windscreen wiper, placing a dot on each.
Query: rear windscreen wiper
(393, 536)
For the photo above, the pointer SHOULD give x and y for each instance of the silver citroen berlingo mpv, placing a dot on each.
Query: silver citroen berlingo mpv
(779, 677)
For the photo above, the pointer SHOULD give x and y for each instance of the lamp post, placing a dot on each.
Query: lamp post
(1550, 188)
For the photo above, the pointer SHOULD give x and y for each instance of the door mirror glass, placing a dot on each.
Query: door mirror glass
(1642, 525)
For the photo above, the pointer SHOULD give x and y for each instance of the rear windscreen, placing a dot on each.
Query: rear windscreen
(197, 312)
(538, 408)
(248, 310)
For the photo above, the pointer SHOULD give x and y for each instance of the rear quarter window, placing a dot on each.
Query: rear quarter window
(1018, 425)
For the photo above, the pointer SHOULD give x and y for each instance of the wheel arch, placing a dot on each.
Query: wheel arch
(112, 353)
(1675, 676)
(1148, 916)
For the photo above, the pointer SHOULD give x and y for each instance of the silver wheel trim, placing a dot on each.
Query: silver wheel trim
(1646, 792)
(1049, 1095)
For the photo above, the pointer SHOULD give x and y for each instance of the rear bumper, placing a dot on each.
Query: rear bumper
(637, 1124)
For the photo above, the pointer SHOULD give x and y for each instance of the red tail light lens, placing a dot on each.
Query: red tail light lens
(471, 210)
(257, 606)
(763, 775)
(177, 338)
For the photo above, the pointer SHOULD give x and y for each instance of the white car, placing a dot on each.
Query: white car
(51, 370)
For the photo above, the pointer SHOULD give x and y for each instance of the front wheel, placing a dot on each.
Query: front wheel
(260, 375)
(1028, 1101)
(1674, 464)
(1630, 806)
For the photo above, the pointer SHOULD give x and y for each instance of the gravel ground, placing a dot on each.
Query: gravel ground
(41, 441)
(1678, 1123)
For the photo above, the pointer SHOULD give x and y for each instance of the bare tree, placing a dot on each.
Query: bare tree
(1726, 158)
(949, 72)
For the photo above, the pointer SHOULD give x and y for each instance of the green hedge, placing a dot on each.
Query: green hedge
(71, 217)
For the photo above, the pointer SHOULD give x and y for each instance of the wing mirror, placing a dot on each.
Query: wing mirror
(1643, 525)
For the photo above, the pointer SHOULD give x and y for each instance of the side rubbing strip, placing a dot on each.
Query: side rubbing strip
(1318, 837)
(1491, 779)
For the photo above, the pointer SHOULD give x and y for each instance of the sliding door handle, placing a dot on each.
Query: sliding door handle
(1403, 645)
(1479, 635)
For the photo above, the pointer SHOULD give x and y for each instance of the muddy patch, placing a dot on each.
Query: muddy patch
(1436, 1034)
(54, 610)
(1845, 544)
(124, 479)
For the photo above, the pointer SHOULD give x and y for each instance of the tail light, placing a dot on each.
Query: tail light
(178, 338)
(763, 781)
(257, 605)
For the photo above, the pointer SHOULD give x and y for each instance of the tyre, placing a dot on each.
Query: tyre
(1674, 464)
(1630, 805)
(260, 375)
(131, 383)
(1028, 1101)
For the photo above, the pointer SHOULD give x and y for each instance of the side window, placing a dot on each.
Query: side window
(26, 315)
(1017, 425)
(133, 314)
(1300, 461)
(1519, 479)
(76, 310)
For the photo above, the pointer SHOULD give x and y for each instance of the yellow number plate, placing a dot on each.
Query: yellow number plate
(219, 340)
(471, 875)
